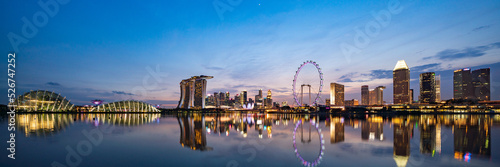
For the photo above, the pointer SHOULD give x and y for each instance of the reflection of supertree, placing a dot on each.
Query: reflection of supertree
(322, 147)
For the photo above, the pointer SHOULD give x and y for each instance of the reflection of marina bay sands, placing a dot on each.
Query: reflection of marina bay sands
(193, 92)
(193, 132)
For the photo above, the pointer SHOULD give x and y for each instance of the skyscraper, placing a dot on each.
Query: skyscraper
(228, 96)
(216, 99)
(353, 102)
(222, 98)
(438, 88)
(411, 95)
(401, 83)
(373, 97)
(336, 94)
(237, 100)
(243, 98)
(427, 87)
(193, 92)
(365, 95)
(379, 95)
(259, 100)
(481, 84)
(462, 84)
(269, 99)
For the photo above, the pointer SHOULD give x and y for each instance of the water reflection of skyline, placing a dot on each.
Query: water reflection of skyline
(471, 133)
(44, 124)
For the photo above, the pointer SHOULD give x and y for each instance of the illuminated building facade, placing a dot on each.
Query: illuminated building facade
(481, 84)
(365, 95)
(259, 100)
(373, 97)
(193, 92)
(438, 88)
(377, 96)
(462, 84)
(411, 95)
(42, 101)
(222, 98)
(353, 102)
(401, 83)
(237, 101)
(427, 87)
(269, 100)
(226, 99)
(284, 103)
(336, 94)
(243, 97)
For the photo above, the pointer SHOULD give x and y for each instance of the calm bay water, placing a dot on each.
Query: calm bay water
(183, 139)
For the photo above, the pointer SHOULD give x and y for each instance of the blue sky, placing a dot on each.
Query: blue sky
(142, 50)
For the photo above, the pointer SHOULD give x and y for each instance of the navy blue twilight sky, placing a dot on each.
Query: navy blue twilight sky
(142, 49)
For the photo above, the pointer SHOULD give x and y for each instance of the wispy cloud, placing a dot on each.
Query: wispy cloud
(481, 28)
(425, 67)
(365, 77)
(214, 68)
(382, 74)
(122, 93)
(54, 84)
(470, 52)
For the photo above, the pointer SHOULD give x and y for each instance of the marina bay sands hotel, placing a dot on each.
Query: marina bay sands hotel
(193, 92)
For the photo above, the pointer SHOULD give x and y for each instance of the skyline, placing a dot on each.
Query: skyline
(108, 54)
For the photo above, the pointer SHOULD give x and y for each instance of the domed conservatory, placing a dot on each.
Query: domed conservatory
(126, 106)
(42, 101)
(46, 101)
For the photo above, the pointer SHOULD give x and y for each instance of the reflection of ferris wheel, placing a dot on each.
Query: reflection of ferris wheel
(321, 142)
(298, 81)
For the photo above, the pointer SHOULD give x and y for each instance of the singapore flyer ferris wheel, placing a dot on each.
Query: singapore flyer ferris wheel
(305, 76)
